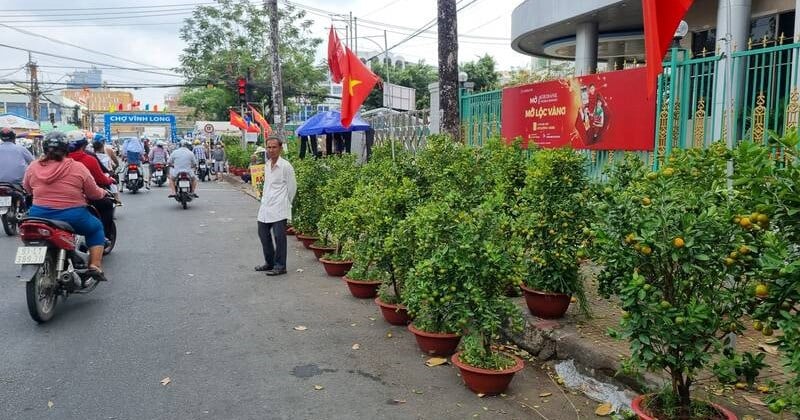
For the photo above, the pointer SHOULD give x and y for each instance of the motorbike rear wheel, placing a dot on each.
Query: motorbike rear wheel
(111, 235)
(11, 220)
(42, 291)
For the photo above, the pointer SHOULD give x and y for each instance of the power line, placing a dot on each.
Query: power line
(26, 32)
(99, 18)
(90, 15)
(86, 61)
(382, 8)
(107, 8)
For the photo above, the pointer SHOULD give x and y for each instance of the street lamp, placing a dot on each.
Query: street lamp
(680, 33)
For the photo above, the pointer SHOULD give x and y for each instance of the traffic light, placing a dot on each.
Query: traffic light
(241, 86)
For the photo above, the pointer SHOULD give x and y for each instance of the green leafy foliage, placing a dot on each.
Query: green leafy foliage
(483, 73)
(226, 38)
(553, 220)
(672, 243)
(338, 223)
(734, 367)
(311, 174)
(770, 189)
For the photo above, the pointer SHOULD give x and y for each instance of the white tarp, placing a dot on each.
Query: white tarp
(13, 121)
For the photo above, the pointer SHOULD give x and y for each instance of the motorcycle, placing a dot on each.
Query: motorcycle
(133, 180)
(183, 189)
(54, 263)
(12, 207)
(203, 173)
(159, 176)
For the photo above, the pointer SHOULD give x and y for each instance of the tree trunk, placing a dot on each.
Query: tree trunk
(277, 78)
(680, 388)
(448, 68)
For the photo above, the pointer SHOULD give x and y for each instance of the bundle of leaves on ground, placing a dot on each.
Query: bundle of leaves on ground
(680, 263)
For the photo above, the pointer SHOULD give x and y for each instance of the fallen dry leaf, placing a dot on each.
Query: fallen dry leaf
(399, 401)
(299, 270)
(545, 394)
(763, 389)
(388, 335)
(319, 387)
(416, 392)
(300, 328)
(166, 381)
(754, 400)
(603, 410)
(50, 405)
(435, 361)
(481, 395)
(356, 346)
(372, 318)
(773, 350)
(190, 275)
(353, 324)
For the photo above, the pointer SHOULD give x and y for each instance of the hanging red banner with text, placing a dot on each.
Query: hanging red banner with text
(607, 111)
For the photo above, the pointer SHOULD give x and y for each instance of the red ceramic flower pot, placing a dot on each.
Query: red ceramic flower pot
(486, 381)
(546, 305)
(362, 289)
(435, 344)
(336, 268)
(638, 407)
(321, 251)
(307, 240)
(393, 314)
(290, 231)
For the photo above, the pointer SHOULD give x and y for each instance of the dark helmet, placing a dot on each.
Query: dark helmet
(7, 134)
(76, 139)
(98, 144)
(56, 140)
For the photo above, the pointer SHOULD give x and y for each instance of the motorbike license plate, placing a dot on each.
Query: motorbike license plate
(5, 201)
(184, 184)
(159, 173)
(30, 255)
(133, 176)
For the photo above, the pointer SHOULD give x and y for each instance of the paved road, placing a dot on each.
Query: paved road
(184, 303)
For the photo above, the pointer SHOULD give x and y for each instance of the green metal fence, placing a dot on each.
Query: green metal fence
(699, 100)
(480, 116)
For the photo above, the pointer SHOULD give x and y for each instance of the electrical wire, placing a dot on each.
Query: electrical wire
(99, 18)
(86, 61)
(91, 15)
(106, 8)
(26, 32)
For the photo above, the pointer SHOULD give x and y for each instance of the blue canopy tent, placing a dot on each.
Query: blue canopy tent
(330, 122)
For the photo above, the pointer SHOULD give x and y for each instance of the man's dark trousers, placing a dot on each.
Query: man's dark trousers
(274, 255)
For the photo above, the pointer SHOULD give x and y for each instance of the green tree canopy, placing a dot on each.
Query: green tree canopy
(482, 72)
(417, 76)
(227, 39)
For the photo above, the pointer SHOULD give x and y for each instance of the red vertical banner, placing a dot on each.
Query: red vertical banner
(608, 111)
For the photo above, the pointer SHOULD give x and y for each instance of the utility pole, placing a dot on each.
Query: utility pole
(34, 89)
(448, 67)
(277, 78)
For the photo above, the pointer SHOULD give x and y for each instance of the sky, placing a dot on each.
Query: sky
(147, 34)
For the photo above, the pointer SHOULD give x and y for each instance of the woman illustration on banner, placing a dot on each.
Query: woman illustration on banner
(593, 116)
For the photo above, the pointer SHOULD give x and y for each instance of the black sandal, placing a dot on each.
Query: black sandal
(96, 274)
(263, 268)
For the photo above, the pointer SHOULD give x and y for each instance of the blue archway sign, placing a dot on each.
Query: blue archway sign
(138, 119)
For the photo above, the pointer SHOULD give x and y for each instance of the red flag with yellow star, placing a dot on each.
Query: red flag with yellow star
(356, 86)
(236, 120)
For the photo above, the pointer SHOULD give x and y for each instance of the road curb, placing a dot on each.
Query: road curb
(239, 184)
(549, 340)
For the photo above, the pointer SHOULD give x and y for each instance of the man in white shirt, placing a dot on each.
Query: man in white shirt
(280, 187)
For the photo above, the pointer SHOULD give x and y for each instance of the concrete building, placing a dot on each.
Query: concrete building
(611, 31)
(91, 78)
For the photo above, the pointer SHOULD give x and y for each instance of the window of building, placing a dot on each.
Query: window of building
(704, 43)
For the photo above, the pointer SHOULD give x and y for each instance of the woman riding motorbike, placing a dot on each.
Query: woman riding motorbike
(61, 188)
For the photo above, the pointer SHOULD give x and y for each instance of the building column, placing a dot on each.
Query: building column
(733, 29)
(586, 49)
(436, 113)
